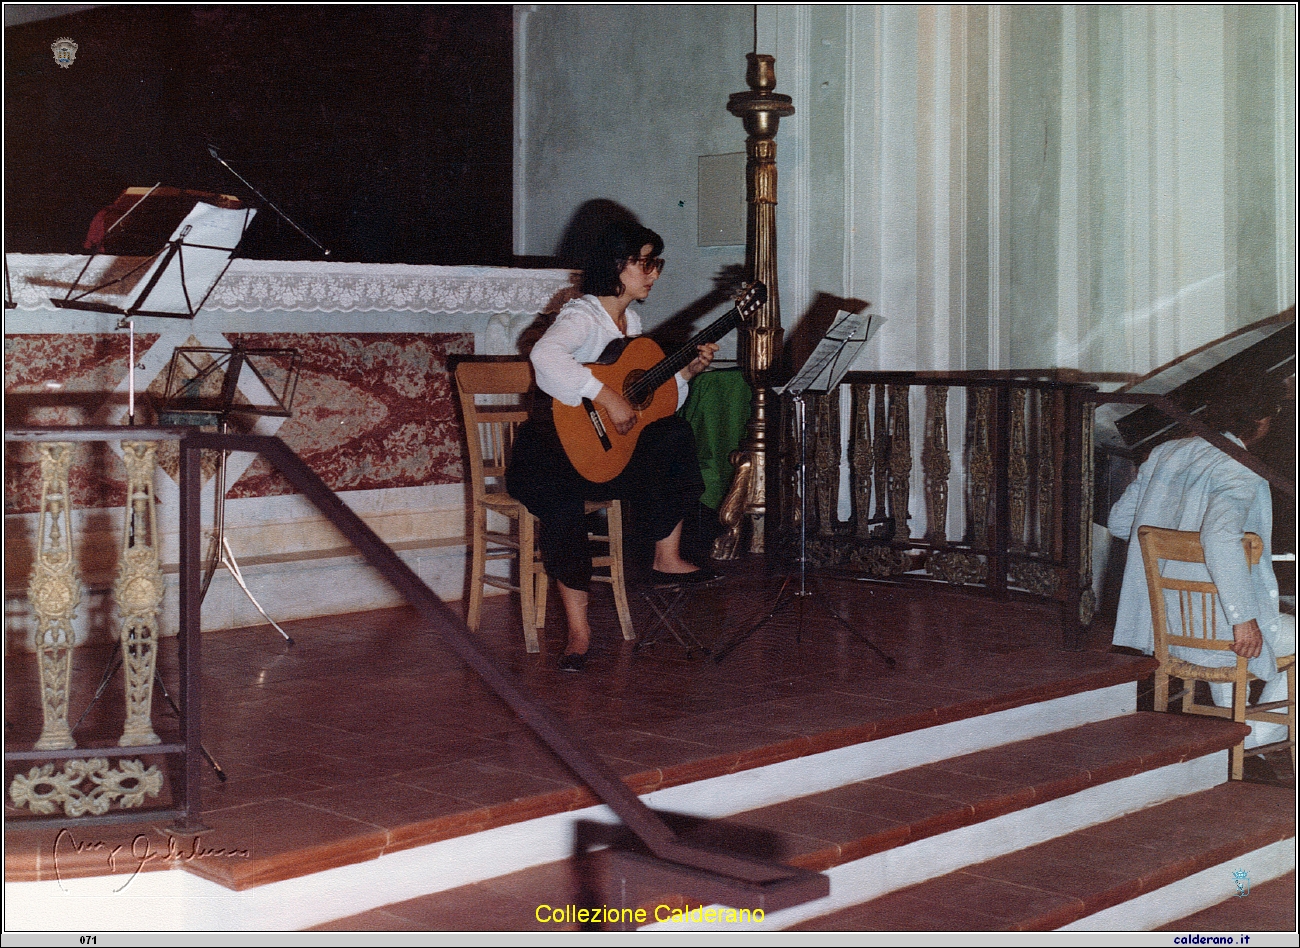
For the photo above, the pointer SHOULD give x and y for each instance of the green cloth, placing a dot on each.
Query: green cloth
(717, 410)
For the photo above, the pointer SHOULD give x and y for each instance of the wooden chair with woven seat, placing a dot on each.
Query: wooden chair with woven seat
(1197, 624)
(493, 402)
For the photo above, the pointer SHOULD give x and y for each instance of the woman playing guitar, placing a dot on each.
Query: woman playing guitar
(662, 475)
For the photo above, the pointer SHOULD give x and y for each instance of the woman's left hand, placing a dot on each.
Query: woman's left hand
(701, 361)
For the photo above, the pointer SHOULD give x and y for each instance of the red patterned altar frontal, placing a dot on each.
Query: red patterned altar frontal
(372, 410)
(65, 380)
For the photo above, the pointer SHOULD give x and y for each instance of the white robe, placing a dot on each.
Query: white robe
(1192, 485)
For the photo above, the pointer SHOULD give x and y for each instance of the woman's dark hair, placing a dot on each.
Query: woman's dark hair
(606, 256)
(1244, 403)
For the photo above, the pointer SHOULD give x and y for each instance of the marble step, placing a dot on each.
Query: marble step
(1136, 872)
(1267, 907)
(877, 835)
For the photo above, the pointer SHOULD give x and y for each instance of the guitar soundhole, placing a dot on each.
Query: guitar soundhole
(629, 383)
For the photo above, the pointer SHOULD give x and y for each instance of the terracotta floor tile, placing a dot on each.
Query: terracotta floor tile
(278, 839)
(384, 803)
(1007, 905)
(238, 791)
(369, 734)
(479, 784)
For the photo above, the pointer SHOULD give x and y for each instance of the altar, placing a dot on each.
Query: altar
(374, 414)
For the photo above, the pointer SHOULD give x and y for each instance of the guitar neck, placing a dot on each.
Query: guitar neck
(674, 362)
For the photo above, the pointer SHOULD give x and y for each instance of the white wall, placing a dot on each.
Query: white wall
(1100, 187)
(1033, 186)
(617, 103)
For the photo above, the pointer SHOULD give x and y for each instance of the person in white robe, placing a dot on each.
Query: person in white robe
(1191, 485)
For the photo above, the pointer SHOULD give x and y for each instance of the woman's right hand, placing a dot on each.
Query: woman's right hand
(618, 409)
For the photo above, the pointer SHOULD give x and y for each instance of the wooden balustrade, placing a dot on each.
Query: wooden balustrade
(990, 489)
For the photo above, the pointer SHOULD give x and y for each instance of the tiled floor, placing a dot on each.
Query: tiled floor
(368, 736)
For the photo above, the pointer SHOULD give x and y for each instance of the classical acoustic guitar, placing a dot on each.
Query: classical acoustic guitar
(638, 368)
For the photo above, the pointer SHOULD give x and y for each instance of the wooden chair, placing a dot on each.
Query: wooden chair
(1196, 622)
(493, 403)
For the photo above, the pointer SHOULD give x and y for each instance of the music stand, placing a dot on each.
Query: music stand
(186, 268)
(823, 371)
(203, 389)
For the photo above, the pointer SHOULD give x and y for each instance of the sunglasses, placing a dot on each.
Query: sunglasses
(648, 265)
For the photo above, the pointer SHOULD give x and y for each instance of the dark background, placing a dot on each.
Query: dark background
(385, 132)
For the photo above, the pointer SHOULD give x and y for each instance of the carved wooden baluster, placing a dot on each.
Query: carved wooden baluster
(1048, 418)
(1017, 472)
(862, 458)
(936, 464)
(826, 462)
(881, 427)
(1088, 602)
(139, 592)
(900, 459)
(981, 466)
(790, 464)
(54, 592)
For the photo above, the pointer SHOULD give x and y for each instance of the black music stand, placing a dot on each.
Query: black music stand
(187, 268)
(203, 390)
(823, 371)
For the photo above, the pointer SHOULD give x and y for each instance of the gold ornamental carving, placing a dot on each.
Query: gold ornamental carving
(55, 592)
(139, 592)
(88, 787)
(731, 512)
(880, 560)
(759, 343)
(1041, 579)
(956, 567)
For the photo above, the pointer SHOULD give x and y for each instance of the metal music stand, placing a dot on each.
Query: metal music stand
(187, 267)
(823, 371)
(203, 390)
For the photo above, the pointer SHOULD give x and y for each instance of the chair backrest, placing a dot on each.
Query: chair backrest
(1196, 599)
(491, 416)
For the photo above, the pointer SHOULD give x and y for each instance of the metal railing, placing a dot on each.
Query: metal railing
(720, 874)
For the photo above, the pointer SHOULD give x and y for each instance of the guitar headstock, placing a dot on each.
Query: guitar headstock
(751, 298)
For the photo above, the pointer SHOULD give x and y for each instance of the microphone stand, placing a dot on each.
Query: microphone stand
(212, 150)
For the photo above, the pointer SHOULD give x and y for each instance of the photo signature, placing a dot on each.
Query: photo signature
(139, 853)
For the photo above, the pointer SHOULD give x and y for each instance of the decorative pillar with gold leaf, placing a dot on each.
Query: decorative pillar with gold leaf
(139, 592)
(760, 109)
(54, 592)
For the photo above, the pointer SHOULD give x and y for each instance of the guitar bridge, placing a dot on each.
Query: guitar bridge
(596, 423)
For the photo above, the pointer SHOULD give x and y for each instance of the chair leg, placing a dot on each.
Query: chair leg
(527, 588)
(1291, 716)
(1239, 689)
(615, 527)
(542, 585)
(1161, 702)
(478, 565)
